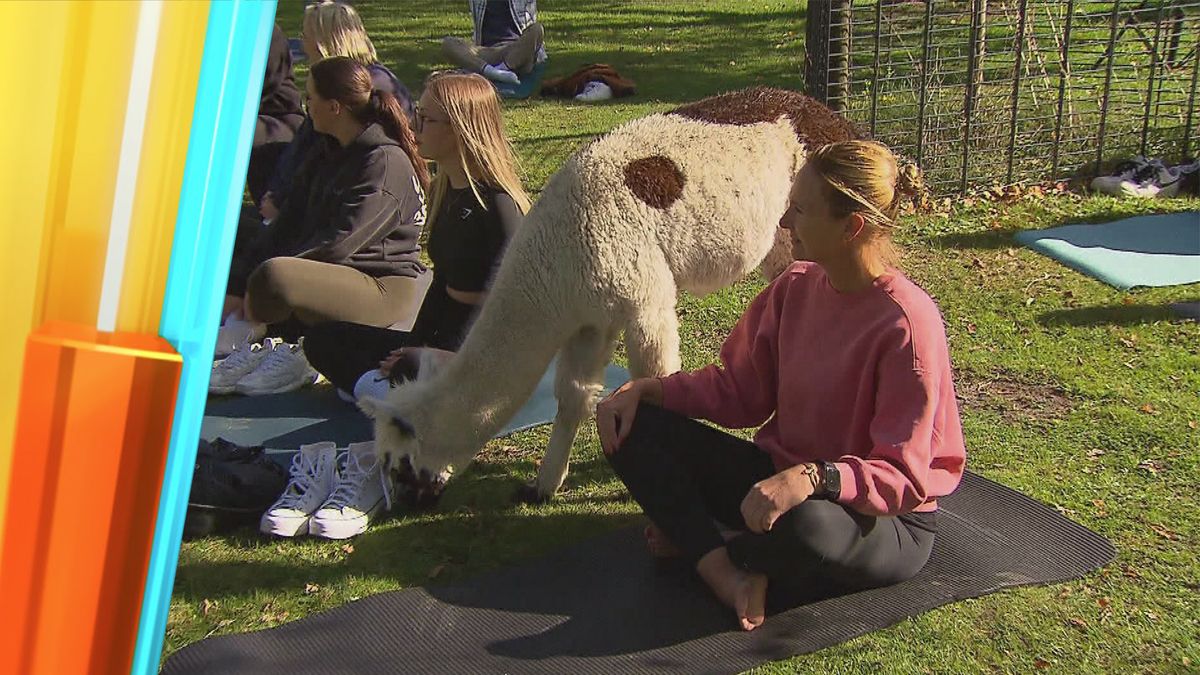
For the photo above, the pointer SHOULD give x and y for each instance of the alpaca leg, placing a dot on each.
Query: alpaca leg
(579, 378)
(652, 342)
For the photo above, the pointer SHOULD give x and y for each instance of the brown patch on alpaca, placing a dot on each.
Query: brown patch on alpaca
(814, 123)
(655, 180)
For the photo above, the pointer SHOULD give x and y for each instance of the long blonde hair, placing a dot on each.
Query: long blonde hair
(338, 31)
(864, 177)
(473, 109)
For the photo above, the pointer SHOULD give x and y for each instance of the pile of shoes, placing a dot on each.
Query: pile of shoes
(232, 486)
(332, 493)
(250, 365)
(1142, 177)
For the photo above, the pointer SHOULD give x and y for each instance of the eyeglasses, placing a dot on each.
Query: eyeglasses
(421, 118)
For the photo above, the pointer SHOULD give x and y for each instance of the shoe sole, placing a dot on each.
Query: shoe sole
(283, 528)
(293, 386)
(343, 529)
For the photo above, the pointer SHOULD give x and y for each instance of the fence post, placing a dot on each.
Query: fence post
(827, 50)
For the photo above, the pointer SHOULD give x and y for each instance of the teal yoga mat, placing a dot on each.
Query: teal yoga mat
(284, 422)
(1156, 250)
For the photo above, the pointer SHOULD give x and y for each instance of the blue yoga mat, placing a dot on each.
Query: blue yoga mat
(1157, 250)
(284, 422)
(531, 83)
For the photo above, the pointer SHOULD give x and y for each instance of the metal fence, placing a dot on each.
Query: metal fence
(983, 92)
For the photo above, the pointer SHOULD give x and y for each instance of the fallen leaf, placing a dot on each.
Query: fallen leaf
(1148, 409)
(436, 571)
(1131, 572)
(1041, 664)
(1104, 602)
(348, 549)
(309, 589)
(1064, 593)
(208, 605)
(1191, 424)
(1164, 532)
(1078, 623)
(971, 328)
(1127, 300)
(1101, 509)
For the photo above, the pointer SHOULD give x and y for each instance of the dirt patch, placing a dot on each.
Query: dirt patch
(1014, 398)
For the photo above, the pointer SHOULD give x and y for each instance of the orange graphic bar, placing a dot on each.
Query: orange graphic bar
(93, 426)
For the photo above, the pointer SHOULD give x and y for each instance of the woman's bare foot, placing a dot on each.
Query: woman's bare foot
(659, 544)
(744, 592)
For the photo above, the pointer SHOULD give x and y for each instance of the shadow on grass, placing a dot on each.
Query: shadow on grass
(1111, 315)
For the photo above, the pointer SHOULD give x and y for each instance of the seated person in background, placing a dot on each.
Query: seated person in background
(279, 115)
(329, 29)
(345, 246)
(508, 40)
(846, 362)
(477, 204)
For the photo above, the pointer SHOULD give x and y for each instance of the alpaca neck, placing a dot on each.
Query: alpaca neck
(507, 350)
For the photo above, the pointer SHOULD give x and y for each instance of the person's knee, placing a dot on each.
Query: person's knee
(536, 32)
(819, 527)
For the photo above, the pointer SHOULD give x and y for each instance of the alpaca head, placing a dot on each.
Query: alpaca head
(419, 472)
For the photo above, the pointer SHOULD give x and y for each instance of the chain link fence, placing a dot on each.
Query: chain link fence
(983, 92)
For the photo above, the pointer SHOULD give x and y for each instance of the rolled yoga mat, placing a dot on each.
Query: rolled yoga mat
(600, 607)
(1157, 250)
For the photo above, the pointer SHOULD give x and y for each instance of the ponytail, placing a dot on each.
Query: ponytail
(383, 108)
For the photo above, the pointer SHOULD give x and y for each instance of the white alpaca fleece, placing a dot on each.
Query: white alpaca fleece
(661, 204)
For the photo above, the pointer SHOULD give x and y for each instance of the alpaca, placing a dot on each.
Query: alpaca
(685, 200)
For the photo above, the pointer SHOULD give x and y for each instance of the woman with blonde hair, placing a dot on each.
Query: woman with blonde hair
(845, 361)
(476, 205)
(328, 29)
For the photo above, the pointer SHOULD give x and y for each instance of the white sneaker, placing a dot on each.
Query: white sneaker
(227, 372)
(312, 477)
(236, 332)
(1156, 181)
(285, 368)
(1111, 184)
(594, 91)
(361, 490)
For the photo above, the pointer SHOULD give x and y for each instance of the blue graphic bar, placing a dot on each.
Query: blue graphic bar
(227, 97)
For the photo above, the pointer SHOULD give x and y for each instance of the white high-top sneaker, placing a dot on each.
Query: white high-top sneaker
(235, 332)
(284, 369)
(313, 474)
(244, 360)
(361, 490)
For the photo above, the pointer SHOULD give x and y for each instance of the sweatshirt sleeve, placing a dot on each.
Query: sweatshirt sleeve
(368, 214)
(739, 392)
(892, 478)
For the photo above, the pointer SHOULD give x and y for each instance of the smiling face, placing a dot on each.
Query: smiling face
(816, 233)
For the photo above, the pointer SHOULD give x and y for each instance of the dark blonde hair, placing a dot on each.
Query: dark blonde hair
(865, 177)
(473, 109)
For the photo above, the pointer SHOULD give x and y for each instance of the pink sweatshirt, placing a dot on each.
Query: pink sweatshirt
(859, 379)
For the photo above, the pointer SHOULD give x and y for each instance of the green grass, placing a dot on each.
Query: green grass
(1055, 375)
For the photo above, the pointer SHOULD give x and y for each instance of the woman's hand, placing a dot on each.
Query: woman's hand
(267, 209)
(390, 361)
(614, 415)
(768, 499)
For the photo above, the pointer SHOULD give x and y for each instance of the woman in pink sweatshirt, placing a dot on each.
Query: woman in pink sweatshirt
(845, 360)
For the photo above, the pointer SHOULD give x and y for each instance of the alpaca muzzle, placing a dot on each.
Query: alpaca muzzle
(418, 489)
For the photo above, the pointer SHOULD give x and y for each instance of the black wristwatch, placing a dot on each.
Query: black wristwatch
(832, 480)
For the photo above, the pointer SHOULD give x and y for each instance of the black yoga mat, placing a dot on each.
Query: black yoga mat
(600, 607)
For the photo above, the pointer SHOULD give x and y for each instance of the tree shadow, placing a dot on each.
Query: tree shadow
(1115, 315)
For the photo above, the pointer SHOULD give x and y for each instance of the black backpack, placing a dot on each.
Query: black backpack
(232, 486)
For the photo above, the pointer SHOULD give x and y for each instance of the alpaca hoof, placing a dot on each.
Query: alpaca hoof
(528, 494)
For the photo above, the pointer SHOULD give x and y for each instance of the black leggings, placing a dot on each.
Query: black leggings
(685, 474)
(342, 351)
